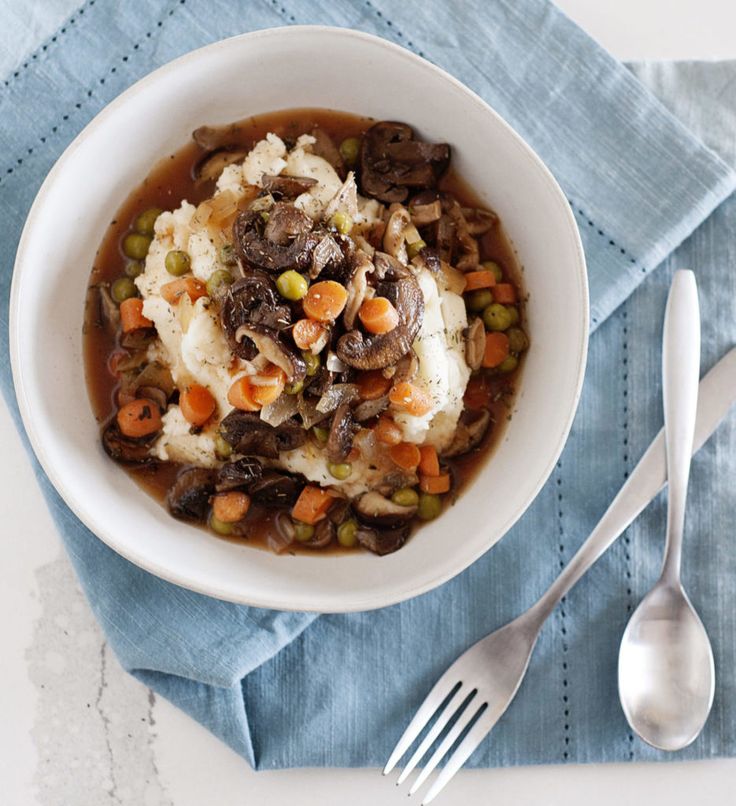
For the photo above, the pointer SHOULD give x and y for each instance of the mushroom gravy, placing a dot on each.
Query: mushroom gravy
(167, 185)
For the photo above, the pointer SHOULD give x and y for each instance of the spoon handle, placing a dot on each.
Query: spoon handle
(717, 396)
(680, 371)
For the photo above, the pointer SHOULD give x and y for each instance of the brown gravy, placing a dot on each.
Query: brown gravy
(168, 184)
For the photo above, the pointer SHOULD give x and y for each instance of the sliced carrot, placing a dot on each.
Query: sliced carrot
(307, 332)
(240, 395)
(131, 315)
(139, 418)
(436, 485)
(378, 315)
(197, 404)
(230, 507)
(406, 455)
(479, 279)
(410, 398)
(372, 384)
(268, 384)
(325, 301)
(172, 292)
(504, 293)
(429, 464)
(477, 394)
(312, 504)
(497, 349)
(387, 432)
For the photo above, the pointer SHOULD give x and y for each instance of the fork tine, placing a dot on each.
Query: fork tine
(442, 719)
(474, 737)
(463, 721)
(432, 701)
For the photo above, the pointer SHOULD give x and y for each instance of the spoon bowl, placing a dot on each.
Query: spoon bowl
(666, 670)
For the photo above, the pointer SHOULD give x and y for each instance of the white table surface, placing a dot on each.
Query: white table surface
(75, 730)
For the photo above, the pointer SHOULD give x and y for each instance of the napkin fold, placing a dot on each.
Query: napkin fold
(293, 689)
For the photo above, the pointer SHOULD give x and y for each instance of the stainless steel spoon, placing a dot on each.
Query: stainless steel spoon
(666, 676)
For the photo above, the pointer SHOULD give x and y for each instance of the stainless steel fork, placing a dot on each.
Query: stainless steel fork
(477, 689)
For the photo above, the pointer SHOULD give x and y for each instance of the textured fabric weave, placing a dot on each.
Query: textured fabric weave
(288, 689)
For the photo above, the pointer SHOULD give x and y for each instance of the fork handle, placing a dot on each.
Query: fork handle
(717, 392)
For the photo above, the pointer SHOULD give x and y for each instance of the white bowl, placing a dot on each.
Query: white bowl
(256, 73)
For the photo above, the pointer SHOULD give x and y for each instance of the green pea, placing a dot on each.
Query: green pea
(294, 388)
(223, 448)
(347, 533)
(478, 300)
(518, 341)
(135, 245)
(342, 222)
(312, 361)
(177, 262)
(303, 532)
(292, 285)
(227, 255)
(145, 221)
(491, 265)
(220, 527)
(413, 249)
(514, 312)
(430, 506)
(134, 269)
(321, 434)
(497, 317)
(340, 471)
(123, 288)
(406, 497)
(217, 279)
(350, 149)
(509, 364)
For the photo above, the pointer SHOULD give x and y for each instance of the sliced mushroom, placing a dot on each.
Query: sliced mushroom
(189, 496)
(385, 541)
(380, 351)
(375, 510)
(357, 287)
(214, 163)
(423, 214)
(345, 199)
(475, 343)
(407, 368)
(269, 344)
(479, 221)
(238, 475)
(336, 395)
(444, 237)
(325, 147)
(255, 249)
(369, 409)
(468, 435)
(276, 490)
(324, 534)
(253, 301)
(214, 137)
(325, 253)
(248, 434)
(288, 187)
(124, 449)
(469, 250)
(109, 311)
(393, 237)
(391, 162)
(396, 480)
(286, 222)
(342, 431)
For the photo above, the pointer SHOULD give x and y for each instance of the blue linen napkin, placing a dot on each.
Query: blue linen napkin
(290, 689)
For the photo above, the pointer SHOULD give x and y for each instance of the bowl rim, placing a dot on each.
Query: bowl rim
(321, 602)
